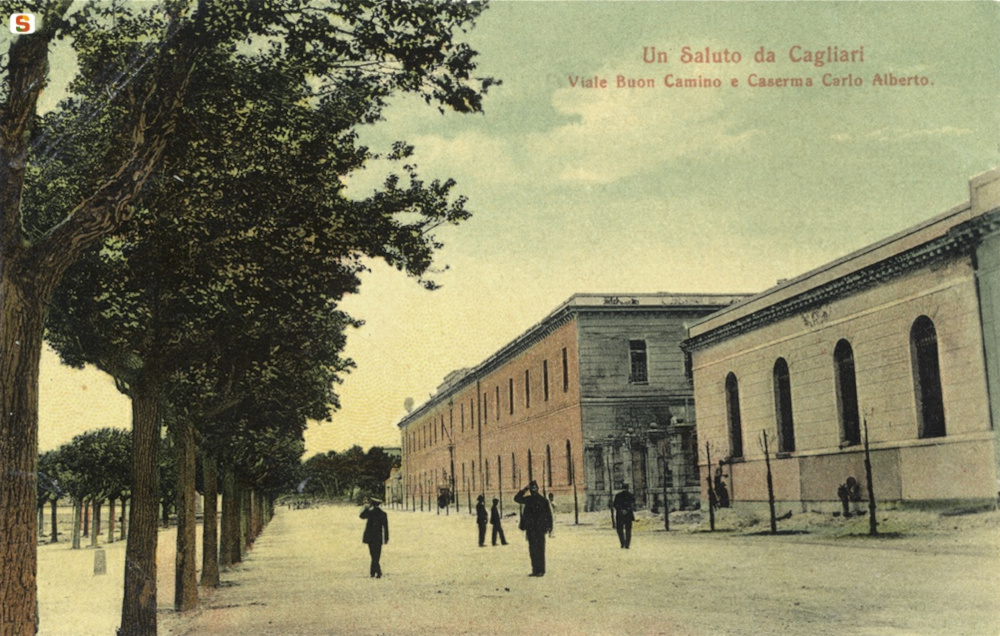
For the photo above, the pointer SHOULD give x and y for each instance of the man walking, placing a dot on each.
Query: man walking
(536, 521)
(495, 522)
(376, 526)
(624, 516)
(481, 519)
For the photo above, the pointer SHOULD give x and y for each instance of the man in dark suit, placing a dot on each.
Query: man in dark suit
(624, 515)
(495, 522)
(481, 519)
(376, 527)
(536, 521)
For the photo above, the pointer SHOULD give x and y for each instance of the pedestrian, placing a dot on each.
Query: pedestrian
(495, 522)
(723, 494)
(536, 521)
(624, 516)
(481, 519)
(376, 527)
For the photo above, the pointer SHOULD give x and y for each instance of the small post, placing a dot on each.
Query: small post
(872, 522)
(770, 484)
(711, 489)
(576, 501)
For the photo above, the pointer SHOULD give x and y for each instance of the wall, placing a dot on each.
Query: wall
(877, 323)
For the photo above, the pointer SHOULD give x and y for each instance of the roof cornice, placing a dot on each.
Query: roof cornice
(960, 239)
(564, 313)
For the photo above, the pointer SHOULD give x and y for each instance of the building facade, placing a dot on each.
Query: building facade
(592, 397)
(896, 344)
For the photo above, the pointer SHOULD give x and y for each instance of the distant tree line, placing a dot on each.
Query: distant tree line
(352, 474)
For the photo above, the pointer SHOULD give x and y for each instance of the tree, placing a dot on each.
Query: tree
(49, 488)
(349, 57)
(93, 467)
(35, 253)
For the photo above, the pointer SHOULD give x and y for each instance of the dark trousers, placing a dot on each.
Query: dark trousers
(498, 531)
(625, 533)
(536, 549)
(375, 549)
(482, 534)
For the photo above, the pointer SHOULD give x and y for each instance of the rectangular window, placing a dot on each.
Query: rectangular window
(461, 416)
(472, 418)
(637, 358)
(486, 407)
(565, 362)
(527, 389)
(545, 379)
(510, 390)
(498, 402)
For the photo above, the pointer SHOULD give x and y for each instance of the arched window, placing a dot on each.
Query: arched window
(733, 416)
(927, 378)
(847, 393)
(783, 407)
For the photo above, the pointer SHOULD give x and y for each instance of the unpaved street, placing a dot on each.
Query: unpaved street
(308, 574)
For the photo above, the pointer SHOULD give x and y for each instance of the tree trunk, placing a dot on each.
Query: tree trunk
(96, 530)
(230, 540)
(244, 525)
(124, 532)
(24, 292)
(210, 525)
(111, 520)
(186, 573)
(86, 517)
(139, 603)
(55, 522)
(77, 517)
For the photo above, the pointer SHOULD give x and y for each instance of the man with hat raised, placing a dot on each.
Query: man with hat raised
(536, 521)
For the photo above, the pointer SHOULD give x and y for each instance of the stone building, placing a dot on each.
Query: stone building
(898, 341)
(593, 396)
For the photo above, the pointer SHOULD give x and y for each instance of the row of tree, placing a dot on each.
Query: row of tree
(180, 222)
(351, 474)
(91, 469)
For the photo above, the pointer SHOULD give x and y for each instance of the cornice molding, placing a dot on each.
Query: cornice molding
(578, 304)
(958, 241)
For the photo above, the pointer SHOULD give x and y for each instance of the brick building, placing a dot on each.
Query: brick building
(593, 396)
(900, 337)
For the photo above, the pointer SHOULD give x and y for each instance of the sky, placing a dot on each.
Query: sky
(721, 189)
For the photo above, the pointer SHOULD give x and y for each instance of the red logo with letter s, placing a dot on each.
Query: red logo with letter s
(22, 23)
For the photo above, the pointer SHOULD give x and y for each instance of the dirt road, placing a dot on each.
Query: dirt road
(308, 575)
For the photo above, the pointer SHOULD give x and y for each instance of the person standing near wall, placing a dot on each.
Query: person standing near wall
(536, 521)
(495, 522)
(376, 526)
(624, 516)
(481, 518)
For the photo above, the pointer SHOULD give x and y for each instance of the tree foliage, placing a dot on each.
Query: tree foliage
(352, 472)
(201, 151)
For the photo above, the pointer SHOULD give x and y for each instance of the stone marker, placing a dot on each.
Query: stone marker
(100, 562)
